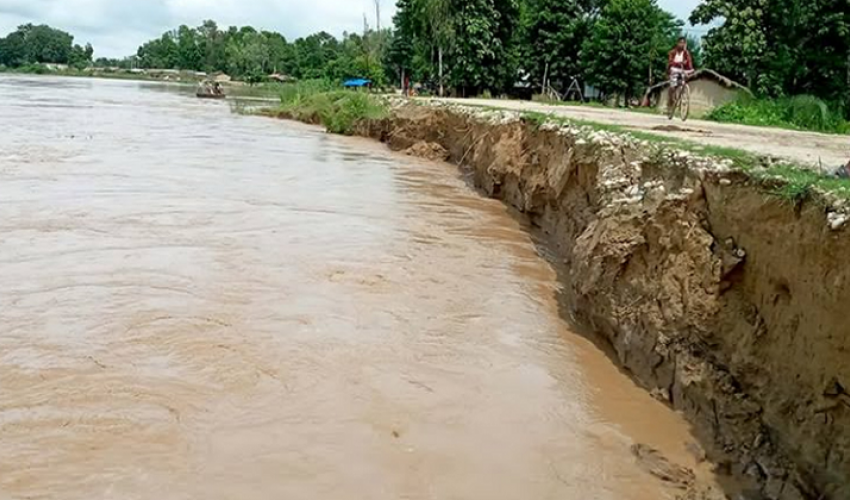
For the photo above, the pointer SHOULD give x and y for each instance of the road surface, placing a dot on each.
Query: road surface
(826, 150)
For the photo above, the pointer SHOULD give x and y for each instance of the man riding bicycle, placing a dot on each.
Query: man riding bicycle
(679, 65)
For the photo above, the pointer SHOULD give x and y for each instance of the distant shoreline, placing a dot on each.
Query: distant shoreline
(100, 74)
(235, 89)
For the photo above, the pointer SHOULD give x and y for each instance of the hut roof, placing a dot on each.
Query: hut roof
(702, 74)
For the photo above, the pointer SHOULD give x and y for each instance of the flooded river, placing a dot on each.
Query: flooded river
(202, 305)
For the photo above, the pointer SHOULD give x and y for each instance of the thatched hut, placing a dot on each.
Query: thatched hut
(709, 90)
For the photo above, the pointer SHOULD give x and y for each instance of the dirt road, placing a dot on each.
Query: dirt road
(806, 147)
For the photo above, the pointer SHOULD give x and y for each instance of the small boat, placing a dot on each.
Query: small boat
(207, 95)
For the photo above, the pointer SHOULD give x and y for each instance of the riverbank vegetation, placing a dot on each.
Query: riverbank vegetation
(321, 103)
(801, 112)
(31, 47)
(778, 48)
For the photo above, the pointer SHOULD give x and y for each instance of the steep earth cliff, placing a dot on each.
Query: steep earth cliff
(725, 300)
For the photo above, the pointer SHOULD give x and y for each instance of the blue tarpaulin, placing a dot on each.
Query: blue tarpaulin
(357, 82)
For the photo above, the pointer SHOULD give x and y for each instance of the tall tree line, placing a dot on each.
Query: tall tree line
(477, 45)
(249, 53)
(777, 47)
(30, 44)
(780, 47)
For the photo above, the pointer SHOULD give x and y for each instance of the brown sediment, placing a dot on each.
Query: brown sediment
(715, 295)
(285, 314)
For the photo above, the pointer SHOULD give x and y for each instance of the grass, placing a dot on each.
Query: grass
(340, 111)
(260, 90)
(801, 112)
(786, 180)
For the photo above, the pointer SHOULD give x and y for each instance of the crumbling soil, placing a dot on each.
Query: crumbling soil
(719, 297)
(428, 151)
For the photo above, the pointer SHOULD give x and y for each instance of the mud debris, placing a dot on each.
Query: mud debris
(656, 464)
(427, 150)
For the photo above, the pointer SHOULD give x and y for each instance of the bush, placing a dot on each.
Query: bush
(34, 68)
(801, 112)
(296, 91)
(809, 112)
(338, 110)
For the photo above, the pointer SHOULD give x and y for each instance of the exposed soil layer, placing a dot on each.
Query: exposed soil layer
(806, 148)
(719, 297)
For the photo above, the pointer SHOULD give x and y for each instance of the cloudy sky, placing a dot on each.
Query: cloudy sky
(117, 27)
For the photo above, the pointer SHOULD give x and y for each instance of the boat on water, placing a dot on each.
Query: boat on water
(207, 95)
(210, 90)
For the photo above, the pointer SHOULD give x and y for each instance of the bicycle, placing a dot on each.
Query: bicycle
(681, 96)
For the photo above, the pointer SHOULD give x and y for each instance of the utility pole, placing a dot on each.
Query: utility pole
(378, 14)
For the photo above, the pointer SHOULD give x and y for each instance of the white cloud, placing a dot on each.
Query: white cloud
(117, 27)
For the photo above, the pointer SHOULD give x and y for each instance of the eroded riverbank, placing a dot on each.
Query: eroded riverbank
(197, 304)
(719, 296)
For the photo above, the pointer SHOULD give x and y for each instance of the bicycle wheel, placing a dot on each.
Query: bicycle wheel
(685, 102)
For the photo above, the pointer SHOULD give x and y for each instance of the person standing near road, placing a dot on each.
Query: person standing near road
(679, 62)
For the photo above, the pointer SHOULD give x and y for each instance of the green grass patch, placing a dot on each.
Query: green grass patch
(796, 113)
(340, 111)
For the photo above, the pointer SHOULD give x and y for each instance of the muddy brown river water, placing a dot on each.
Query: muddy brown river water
(200, 305)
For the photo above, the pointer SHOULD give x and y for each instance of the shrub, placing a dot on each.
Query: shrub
(34, 68)
(296, 91)
(809, 112)
(801, 112)
(338, 110)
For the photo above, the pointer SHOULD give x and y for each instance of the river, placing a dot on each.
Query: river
(197, 304)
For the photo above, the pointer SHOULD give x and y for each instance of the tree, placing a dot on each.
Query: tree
(189, 52)
(554, 32)
(281, 54)
(314, 53)
(695, 48)
(402, 47)
(484, 55)
(211, 42)
(438, 23)
(625, 42)
(780, 46)
(359, 56)
(47, 45)
(81, 57)
(160, 53)
(36, 44)
(13, 50)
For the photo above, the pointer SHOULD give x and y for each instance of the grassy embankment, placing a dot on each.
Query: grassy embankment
(340, 111)
(324, 103)
(801, 112)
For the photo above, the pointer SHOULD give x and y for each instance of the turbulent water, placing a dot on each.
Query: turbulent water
(200, 305)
